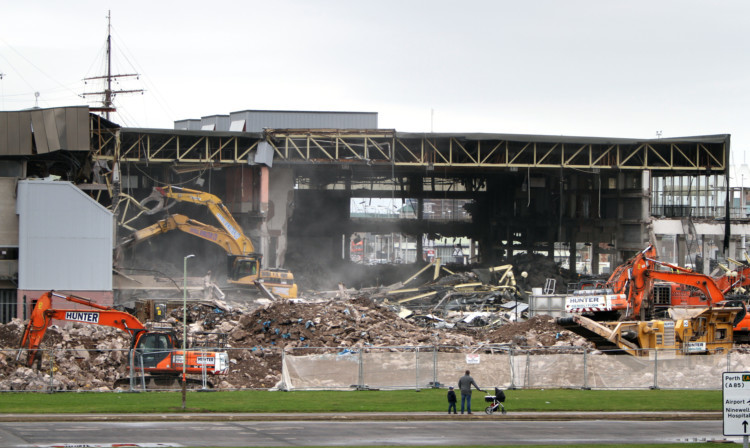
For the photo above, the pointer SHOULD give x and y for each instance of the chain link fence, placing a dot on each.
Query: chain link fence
(401, 367)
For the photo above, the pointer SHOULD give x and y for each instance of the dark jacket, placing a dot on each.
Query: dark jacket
(464, 384)
(451, 396)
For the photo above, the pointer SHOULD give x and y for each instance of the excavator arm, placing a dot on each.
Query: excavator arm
(214, 204)
(43, 314)
(187, 225)
(738, 279)
(244, 264)
(644, 273)
(622, 276)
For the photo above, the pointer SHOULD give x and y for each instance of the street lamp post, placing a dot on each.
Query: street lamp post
(184, 326)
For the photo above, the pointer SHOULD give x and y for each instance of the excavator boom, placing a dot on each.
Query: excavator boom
(187, 225)
(646, 272)
(214, 204)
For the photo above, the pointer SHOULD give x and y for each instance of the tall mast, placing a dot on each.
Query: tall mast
(109, 94)
(108, 91)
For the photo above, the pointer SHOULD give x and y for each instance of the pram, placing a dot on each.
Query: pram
(497, 402)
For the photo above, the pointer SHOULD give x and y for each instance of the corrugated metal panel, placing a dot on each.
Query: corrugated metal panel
(219, 122)
(8, 217)
(53, 129)
(188, 125)
(257, 120)
(65, 238)
(15, 133)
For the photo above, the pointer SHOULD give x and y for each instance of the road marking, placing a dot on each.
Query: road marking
(110, 445)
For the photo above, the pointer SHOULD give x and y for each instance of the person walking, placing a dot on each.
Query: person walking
(464, 385)
(451, 400)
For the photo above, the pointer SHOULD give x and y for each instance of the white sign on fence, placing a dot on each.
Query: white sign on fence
(472, 358)
(736, 403)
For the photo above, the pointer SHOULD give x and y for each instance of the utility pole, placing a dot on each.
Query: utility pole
(109, 94)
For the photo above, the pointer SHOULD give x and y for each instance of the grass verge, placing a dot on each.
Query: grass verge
(426, 400)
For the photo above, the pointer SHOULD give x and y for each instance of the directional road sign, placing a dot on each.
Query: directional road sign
(736, 403)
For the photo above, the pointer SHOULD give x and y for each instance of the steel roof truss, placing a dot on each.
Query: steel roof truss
(598, 161)
(652, 149)
(415, 158)
(349, 147)
(435, 151)
(468, 154)
(539, 162)
(497, 148)
(386, 156)
(692, 163)
(315, 142)
(630, 156)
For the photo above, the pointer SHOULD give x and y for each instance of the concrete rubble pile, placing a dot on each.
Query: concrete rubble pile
(462, 309)
(477, 298)
(92, 357)
(352, 323)
(459, 299)
(85, 357)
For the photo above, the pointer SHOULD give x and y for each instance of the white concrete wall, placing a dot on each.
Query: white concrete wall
(65, 238)
(280, 196)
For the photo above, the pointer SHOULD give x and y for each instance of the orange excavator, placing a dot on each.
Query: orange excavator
(153, 353)
(705, 327)
(642, 287)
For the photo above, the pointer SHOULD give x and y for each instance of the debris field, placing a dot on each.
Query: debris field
(92, 357)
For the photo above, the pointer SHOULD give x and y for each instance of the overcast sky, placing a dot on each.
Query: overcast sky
(591, 68)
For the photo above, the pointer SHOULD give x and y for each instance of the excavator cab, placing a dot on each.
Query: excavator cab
(240, 267)
(152, 348)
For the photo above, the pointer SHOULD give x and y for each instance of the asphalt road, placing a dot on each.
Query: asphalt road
(492, 430)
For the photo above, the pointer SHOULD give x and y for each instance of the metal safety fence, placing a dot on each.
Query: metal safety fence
(509, 368)
(398, 367)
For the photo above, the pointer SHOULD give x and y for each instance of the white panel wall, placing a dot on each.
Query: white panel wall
(65, 238)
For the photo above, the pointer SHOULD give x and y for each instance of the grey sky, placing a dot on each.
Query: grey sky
(599, 68)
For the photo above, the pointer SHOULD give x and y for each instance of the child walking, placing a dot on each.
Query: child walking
(451, 400)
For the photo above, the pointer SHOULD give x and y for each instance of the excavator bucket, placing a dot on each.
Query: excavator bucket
(161, 202)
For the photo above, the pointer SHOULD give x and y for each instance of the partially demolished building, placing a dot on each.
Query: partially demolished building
(292, 180)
